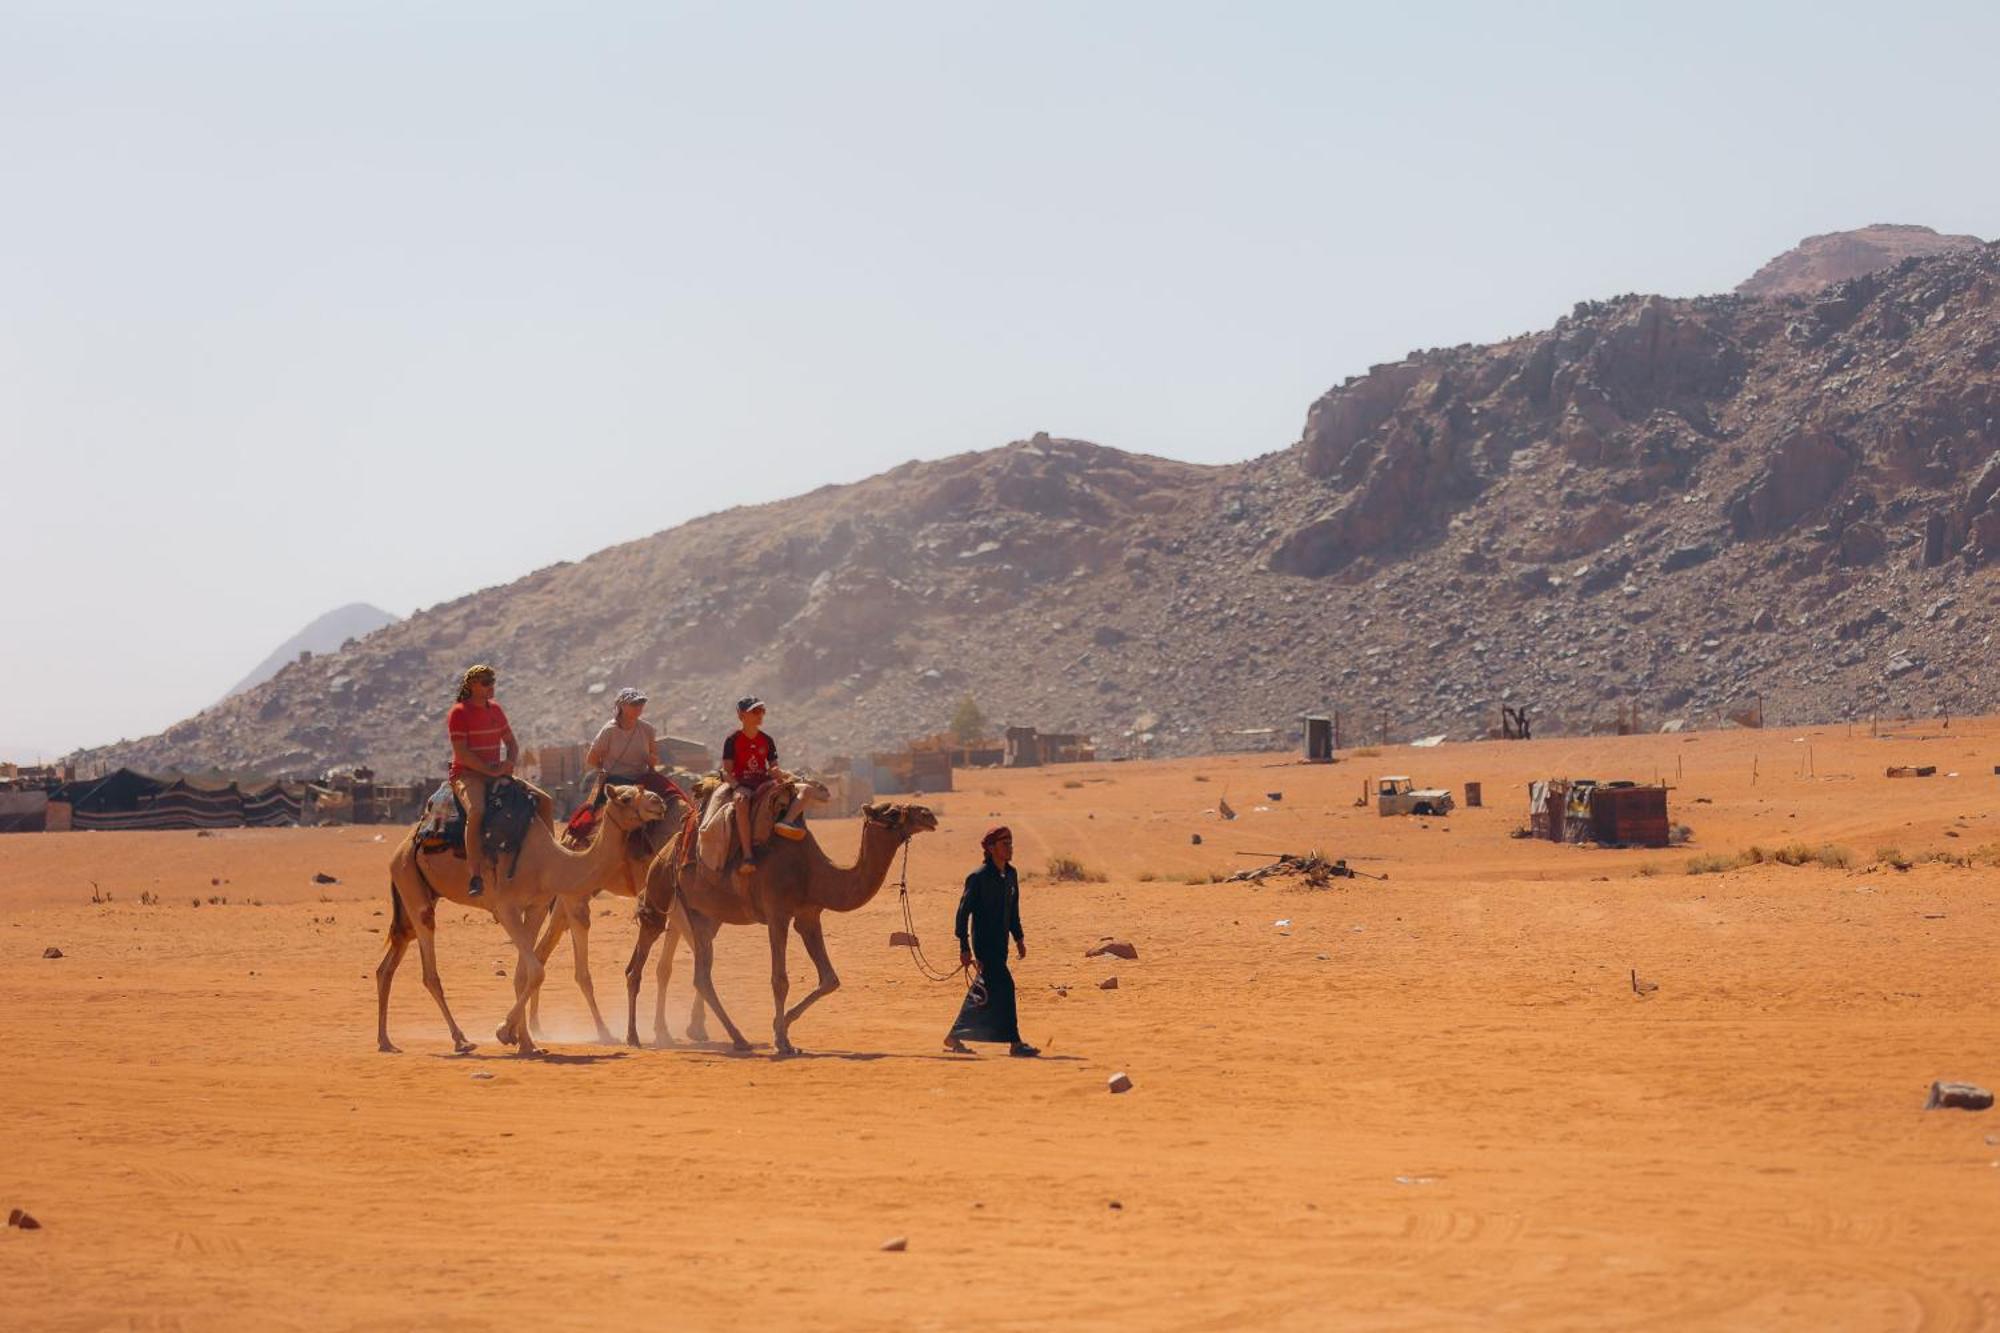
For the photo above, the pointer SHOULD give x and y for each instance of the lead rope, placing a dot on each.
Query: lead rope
(924, 965)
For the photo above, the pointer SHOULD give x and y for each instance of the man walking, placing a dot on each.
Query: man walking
(991, 906)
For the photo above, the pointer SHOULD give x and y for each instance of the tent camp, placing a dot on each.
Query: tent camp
(128, 799)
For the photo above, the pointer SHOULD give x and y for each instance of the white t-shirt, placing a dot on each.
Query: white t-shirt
(625, 752)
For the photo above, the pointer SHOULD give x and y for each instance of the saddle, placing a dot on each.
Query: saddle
(510, 813)
(442, 827)
(779, 809)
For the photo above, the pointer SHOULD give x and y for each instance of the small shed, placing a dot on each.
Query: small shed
(1319, 739)
(1627, 814)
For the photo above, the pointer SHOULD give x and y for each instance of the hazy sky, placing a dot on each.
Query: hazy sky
(317, 303)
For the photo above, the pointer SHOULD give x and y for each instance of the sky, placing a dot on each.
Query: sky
(305, 304)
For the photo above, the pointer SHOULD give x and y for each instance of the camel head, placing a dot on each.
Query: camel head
(629, 807)
(904, 820)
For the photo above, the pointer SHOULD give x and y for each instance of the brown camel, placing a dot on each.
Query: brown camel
(793, 884)
(546, 876)
(805, 791)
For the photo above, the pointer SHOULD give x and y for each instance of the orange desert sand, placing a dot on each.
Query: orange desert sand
(1431, 1102)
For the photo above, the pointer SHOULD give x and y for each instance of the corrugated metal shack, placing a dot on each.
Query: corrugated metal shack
(1618, 814)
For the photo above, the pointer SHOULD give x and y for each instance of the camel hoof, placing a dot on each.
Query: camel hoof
(504, 1035)
(605, 1038)
(740, 1044)
(388, 1047)
(464, 1047)
(696, 1034)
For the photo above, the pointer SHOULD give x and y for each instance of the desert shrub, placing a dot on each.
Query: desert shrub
(1948, 859)
(1648, 870)
(1073, 785)
(1793, 854)
(1366, 752)
(1068, 869)
(1147, 876)
(1711, 864)
(1753, 855)
(1680, 834)
(1201, 777)
(1833, 857)
(1892, 857)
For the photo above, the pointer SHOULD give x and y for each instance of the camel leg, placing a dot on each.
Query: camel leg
(650, 926)
(401, 932)
(781, 984)
(701, 933)
(525, 988)
(424, 921)
(521, 924)
(814, 938)
(698, 1015)
(551, 937)
(579, 929)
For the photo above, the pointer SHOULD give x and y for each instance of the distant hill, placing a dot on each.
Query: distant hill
(1687, 506)
(1818, 261)
(356, 620)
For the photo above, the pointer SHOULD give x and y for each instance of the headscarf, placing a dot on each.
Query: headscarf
(993, 835)
(472, 673)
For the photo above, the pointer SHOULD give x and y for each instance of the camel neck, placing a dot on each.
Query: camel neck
(572, 870)
(847, 888)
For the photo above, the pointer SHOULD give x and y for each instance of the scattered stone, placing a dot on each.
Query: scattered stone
(1196, 838)
(1274, 796)
(321, 877)
(1116, 1206)
(203, 833)
(52, 952)
(1109, 983)
(482, 1074)
(499, 971)
(22, 1218)
(1963, 1096)
(896, 1244)
(902, 939)
(1119, 1083)
(1116, 948)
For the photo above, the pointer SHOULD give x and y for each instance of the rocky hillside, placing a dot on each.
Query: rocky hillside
(1820, 261)
(326, 634)
(1678, 504)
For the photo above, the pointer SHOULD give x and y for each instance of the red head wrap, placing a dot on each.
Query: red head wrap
(994, 834)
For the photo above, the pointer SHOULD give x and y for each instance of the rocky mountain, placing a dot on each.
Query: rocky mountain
(356, 620)
(1677, 505)
(1819, 261)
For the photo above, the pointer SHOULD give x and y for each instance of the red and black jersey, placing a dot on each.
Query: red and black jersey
(747, 760)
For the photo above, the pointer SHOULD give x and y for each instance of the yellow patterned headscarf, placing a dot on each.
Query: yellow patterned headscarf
(473, 673)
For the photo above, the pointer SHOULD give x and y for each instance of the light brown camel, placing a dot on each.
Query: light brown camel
(546, 876)
(805, 791)
(793, 884)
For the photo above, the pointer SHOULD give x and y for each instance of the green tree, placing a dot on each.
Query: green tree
(968, 724)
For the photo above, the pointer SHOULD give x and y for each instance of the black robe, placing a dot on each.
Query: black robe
(991, 905)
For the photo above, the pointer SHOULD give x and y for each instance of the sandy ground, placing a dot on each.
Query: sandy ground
(1430, 1102)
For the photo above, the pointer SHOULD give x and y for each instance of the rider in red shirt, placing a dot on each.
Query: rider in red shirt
(749, 761)
(483, 749)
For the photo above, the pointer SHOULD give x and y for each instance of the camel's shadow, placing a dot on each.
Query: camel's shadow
(726, 1051)
(503, 1055)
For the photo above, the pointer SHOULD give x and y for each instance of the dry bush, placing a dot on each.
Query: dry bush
(1892, 857)
(1366, 752)
(1648, 870)
(1147, 876)
(1711, 864)
(1201, 777)
(1067, 869)
(1073, 785)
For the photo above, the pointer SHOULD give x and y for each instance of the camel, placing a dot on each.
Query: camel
(806, 790)
(546, 876)
(794, 882)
